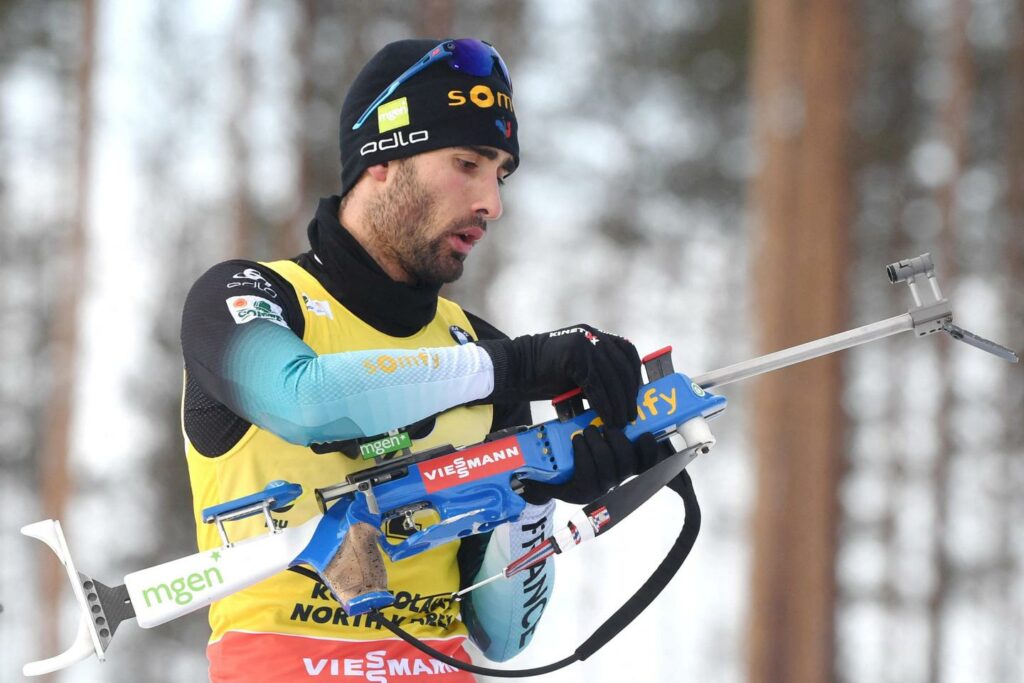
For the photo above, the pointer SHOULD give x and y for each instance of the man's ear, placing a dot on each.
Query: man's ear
(378, 172)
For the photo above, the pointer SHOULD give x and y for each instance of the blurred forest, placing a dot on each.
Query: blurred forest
(729, 177)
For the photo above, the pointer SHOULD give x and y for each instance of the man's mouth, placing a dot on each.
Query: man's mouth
(463, 239)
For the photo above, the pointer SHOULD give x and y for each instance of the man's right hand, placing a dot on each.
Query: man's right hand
(542, 366)
(601, 461)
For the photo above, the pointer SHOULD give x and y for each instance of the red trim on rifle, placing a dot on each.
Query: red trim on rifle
(656, 354)
(569, 404)
(561, 398)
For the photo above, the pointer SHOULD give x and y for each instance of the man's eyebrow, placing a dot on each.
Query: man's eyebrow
(492, 154)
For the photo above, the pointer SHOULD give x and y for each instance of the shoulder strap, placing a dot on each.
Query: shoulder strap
(299, 277)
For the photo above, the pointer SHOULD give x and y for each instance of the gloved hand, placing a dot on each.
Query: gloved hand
(542, 366)
(600, 461)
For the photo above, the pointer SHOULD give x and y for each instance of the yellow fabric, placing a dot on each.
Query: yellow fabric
(289, 602)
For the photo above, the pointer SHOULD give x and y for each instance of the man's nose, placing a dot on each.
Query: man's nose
(488, 205)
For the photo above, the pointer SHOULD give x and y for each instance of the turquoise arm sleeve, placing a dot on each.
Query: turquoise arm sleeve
(502, 616)
(278, 382)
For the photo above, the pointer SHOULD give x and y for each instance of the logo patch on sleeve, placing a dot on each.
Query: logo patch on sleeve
(459, 334)
(320, 308)
(391, 115)
(247, 308)
(250, 277)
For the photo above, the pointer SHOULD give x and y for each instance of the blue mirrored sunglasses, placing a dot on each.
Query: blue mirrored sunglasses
(465, 55)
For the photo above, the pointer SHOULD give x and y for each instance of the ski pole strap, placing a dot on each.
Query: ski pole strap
(622, 618)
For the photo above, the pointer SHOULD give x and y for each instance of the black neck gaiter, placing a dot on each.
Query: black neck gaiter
(353, 278)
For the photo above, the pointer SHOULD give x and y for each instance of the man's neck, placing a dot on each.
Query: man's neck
(350, 215)
(358, 282)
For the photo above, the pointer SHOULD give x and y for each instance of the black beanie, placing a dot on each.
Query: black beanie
(437, 107)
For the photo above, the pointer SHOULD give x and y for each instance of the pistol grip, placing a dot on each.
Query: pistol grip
(356, 574)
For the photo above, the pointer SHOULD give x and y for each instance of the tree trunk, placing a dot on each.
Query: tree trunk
(435, 19)
(290, 238)
(242, 67)
(801, 72)
(1009, 663)
(57, 419)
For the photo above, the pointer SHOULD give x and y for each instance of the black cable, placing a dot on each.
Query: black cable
(466, 666)
(654, 585)
(624, 616)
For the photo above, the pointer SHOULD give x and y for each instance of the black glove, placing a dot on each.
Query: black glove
(600, 461)
(542, 366)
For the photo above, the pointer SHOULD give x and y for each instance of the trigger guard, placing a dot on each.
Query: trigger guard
(451, 529)
(481, 511)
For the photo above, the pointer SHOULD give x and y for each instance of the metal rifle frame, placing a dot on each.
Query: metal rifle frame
(931, 313)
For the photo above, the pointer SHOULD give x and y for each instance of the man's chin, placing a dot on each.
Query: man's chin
(452, 267)
(453, 274)
(442, 275)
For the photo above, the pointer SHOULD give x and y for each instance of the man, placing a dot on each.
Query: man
(292, 365)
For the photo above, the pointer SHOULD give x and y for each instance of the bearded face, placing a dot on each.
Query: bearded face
(410, 227)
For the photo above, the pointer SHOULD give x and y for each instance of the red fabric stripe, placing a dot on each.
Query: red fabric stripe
(257, 657)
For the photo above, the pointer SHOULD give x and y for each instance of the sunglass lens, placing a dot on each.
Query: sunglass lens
(476, 58)
(504, 69)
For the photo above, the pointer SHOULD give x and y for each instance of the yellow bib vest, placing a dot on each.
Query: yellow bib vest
(293, 604)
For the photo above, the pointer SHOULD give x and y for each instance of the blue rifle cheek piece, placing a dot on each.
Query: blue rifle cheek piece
(280, 492)
(328, 536)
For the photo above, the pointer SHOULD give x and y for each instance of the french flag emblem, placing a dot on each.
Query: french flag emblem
(599, 518)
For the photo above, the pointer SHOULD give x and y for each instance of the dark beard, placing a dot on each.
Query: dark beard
(401, 222)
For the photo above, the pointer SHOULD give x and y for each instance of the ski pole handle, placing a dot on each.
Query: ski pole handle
(88, 641)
